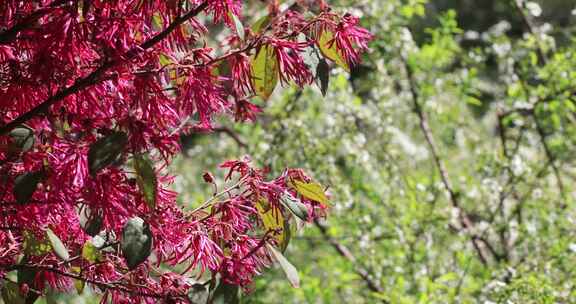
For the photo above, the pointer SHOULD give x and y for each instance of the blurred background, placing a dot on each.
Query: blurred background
(449, 155)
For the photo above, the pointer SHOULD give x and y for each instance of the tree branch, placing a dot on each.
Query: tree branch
(94, 77)
(103, 285)
(425, 128)
(531, 27)
(232, 135)
(529, 23)
(344, 252)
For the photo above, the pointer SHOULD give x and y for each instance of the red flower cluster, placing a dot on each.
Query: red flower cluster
(93, 97)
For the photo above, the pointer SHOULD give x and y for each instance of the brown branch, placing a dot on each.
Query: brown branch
(531, 27)
(543, 139)
(103, 285)
(551, 157)
(232, 135)
(425, 128)
(529, 23)
(94, 77)
(344, 252)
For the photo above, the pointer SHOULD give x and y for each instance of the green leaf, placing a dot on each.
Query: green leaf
(164, 60)
(289, 269)
(330, 51)
(78, 284)
(22, 138)
(157, 22)
(11, 293)
(93, 225)
(106, 151)
(311, 191)
(222, 69)
(273, 220)
(198, 294)
(226, 294)
(136, 242)
(237, 24)
(265, 71)
(323, 76)
(90, 252)
(26, 184)
(261, 24)
(295, 206)
(146, 179)
(59, 249)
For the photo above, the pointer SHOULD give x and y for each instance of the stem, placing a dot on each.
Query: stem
(217, 195)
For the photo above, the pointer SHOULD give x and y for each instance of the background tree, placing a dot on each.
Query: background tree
(93, 98)
(448, 153)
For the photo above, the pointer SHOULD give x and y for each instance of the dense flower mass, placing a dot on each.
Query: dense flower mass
(93, 97)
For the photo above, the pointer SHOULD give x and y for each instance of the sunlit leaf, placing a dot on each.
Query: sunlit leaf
(265, 71)
(311, 191)
(78, 284)
(59, 248)
(90, 252)
(289, 269)
(330, 51)
(273, 220)
(237, 24)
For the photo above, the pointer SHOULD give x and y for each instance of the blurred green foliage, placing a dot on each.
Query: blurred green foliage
(496, 81)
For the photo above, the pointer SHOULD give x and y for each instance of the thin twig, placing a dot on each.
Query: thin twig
(345, 252)
(217, 195)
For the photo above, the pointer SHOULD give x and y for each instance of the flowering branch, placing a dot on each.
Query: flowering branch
(10, 34)
(125, 288)
(96, 165)
(94, 77)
